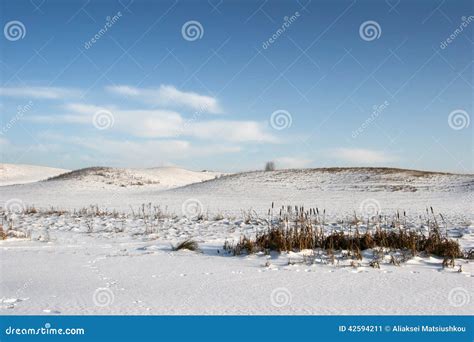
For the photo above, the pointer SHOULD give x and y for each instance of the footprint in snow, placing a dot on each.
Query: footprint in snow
(10, 300)
(51, 311)
(9, 303)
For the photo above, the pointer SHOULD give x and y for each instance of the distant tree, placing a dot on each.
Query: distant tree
(270, 166)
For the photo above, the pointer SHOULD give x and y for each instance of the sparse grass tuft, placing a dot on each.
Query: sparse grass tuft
(188, 244)
(219, 217)
(244, 246)
(31, 210)
(3, 235)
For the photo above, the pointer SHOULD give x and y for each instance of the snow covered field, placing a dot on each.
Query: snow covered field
(19, 174)
(117, 258)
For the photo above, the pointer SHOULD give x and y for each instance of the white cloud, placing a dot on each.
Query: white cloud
(145, 153)
(50, 93)
(13, 150)
(139, 123)
(155, 149)
(362, 156)
(167, 95)
(292, 163)
(237, 131)
(163, 124)
(66, 118)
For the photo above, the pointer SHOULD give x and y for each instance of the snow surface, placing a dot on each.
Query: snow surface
(122, 262)
(19, 174)
(159, 178)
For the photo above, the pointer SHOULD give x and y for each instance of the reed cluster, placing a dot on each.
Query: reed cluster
(295, 229)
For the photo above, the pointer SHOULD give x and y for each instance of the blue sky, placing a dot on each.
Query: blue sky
(298, 82)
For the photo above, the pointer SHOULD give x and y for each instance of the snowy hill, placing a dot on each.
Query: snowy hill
(20, 174)
(160, 177)
(340, 179)
(341, 191)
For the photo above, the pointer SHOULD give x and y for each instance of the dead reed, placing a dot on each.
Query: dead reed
(295, 229)
(187, 244)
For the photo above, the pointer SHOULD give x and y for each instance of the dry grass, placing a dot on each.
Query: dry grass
(296, 229)
(188, 244)
(3, 235)
(219, 217)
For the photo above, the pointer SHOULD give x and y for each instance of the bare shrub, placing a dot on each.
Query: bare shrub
(188, 244)
(270, 166)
